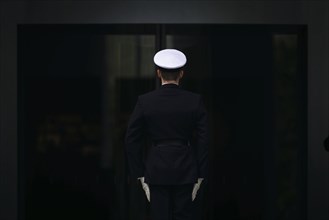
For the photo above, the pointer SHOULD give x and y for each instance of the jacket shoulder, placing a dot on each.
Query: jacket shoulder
(157, 92)
(192, 94)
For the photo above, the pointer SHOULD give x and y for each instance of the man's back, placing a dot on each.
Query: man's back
(174, 167)
(169, 116)
(170, 113)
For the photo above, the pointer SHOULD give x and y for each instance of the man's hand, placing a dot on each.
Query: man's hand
(145, 188)
(196, 188)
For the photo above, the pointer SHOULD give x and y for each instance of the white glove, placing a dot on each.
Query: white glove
(196, 188)
(145, 188)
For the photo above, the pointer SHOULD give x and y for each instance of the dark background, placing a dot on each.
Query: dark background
(314, 14)
(239, 70)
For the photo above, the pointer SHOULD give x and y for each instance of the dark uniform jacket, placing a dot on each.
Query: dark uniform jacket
(175, 120)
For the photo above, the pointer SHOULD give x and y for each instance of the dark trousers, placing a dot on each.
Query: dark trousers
(171, 202)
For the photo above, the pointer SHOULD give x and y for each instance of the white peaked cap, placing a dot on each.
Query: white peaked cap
(169, 59)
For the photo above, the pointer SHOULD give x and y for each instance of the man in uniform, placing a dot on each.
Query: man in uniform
(175, 121)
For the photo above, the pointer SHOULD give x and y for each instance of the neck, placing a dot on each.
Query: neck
(163, 82)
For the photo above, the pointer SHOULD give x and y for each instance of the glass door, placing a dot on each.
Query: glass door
(78, 85)
(253, 79)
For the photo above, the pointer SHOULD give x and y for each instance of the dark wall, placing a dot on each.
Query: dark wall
(314, 14)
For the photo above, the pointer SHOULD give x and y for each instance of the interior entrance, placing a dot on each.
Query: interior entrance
(79, 84)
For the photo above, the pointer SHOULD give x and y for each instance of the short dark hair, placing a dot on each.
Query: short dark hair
(170, 74)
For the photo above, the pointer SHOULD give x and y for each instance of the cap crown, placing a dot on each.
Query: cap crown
(170, 59)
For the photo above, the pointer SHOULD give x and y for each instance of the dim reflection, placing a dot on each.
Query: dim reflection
(79, 87)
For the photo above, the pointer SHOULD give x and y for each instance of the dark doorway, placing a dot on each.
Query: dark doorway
(79, 83)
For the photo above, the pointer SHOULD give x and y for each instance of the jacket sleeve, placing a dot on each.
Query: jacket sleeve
(134, 140)
(202, 140)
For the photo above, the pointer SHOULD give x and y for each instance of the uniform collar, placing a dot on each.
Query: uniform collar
(170, 85)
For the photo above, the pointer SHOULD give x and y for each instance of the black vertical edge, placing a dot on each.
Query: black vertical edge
(160, 43)
(303, 65)
(160, 40)
(20, 128)
(157, 48)
(270, 151)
